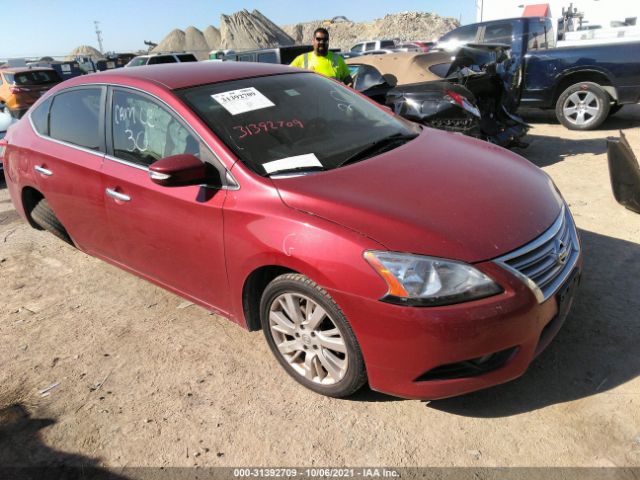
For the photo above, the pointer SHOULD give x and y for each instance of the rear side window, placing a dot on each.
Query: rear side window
(136, 62)
(387, 44)
(75, 117)
(187, 57)
(36, 77)
(365, 77)
(162, 59)
(498, 33)
(269, 57)
(40, 117)
(440, 69)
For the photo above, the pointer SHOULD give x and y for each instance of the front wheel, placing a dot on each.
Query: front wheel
(309, 335)
(583, 106)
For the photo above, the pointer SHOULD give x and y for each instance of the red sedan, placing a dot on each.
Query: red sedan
(366, 247)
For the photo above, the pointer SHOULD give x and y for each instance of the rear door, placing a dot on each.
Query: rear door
(67, 157)
(172, 235)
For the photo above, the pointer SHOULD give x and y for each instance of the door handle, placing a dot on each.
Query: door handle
(117, 195)
(43, 170)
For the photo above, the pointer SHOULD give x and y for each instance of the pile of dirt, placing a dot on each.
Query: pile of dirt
(399, 26)
(85, 51)
(246, 30)
(212, 36)
(195, 41)
(174, 42)
(191, 40)
(243, 30)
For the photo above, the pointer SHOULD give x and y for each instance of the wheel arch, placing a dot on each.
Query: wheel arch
(30, 198)
(254, 286)
(595, 76)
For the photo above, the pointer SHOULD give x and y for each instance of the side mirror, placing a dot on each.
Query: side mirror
(181, 170)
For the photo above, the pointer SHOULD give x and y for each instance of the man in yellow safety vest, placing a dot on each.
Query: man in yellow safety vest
(321, 60)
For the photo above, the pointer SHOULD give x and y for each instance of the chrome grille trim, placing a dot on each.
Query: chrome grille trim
(545, 263)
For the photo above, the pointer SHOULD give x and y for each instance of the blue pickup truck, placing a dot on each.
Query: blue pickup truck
(584, 84)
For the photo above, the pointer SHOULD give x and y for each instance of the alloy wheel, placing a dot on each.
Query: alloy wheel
(581, 108)
(308, 338)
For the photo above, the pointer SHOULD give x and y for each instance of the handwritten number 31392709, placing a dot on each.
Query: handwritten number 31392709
(256, 128)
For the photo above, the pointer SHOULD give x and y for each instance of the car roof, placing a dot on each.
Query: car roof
(158, 54)
(185, 74)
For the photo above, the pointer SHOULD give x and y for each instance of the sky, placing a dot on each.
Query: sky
(54, 28)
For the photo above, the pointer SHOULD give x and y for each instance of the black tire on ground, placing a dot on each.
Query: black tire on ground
(322, 343)
(16, 113)
(583, 106)
(614, 108)
(45, 218)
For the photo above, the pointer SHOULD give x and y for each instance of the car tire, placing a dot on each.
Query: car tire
(47, 220)
(583, 106)
(310, 336)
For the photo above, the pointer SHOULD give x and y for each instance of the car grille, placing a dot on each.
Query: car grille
(545, 263)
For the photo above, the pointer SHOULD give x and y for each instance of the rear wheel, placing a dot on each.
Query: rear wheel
(309, 335)
(583, 106)
(45, 218)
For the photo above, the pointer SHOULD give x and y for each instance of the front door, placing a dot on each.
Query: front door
(172, 235)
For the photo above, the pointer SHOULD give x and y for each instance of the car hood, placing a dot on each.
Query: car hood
(441, 194)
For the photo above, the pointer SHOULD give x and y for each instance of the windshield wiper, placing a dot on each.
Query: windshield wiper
(286, 171)
(379, 146)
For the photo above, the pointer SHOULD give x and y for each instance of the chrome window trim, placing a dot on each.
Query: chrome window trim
(125, 162)
(227, 176)
(549, 234)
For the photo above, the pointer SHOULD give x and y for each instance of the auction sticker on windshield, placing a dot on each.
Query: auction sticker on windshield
(292, 163)
(242, 101)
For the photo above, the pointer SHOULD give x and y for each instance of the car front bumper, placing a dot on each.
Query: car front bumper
(437, 352)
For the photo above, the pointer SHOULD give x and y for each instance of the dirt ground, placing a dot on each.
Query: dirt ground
(102, 368)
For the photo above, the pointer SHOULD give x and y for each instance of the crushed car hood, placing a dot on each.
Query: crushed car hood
(441, 194)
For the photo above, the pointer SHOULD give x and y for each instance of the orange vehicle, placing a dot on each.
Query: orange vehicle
(20, 87)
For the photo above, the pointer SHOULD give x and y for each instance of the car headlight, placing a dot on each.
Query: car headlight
(429, 281)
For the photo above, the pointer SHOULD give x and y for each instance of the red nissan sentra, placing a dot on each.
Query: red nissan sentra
(366, 247)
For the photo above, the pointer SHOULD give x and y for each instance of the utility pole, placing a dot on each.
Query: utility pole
(98, 34)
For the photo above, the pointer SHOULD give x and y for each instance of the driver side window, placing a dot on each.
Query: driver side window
(143, 131)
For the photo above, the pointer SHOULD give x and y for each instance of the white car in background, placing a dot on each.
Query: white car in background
(6, 120)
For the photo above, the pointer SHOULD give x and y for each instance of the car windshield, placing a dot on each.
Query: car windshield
(34, 77)
(296, 122)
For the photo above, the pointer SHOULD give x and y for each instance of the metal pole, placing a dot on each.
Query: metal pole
(99, 34)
